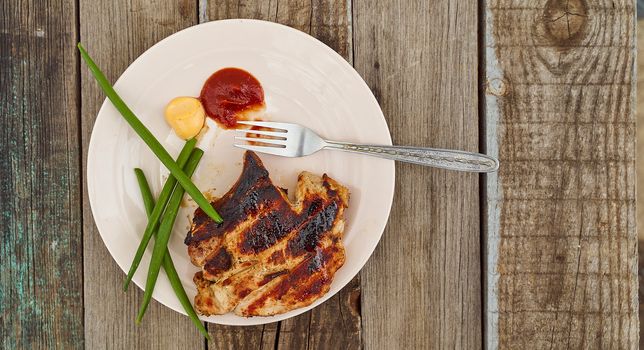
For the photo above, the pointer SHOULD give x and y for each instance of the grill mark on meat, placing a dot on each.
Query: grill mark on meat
(315, 263)
(244, 292)
(311, 267)
(230, 273)
(309, 235)
(222, 261)
(235, 209)
(272, 276)
(314, 288)
(330, 191)
(252, 191)
(267, 230)
(275, 225)
(277, 257)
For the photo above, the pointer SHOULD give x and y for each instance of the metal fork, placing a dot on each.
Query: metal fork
(293, 140)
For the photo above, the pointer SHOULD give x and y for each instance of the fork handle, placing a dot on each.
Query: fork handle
(434, 157)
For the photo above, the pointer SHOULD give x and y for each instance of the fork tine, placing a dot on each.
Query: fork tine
(269, 150)
(262, 140)
(273, 125)
(262, 132)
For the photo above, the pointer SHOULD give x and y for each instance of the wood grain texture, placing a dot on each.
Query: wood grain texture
(40, 222)
(561, 213)
(421, 288)
(115, 33)
(640, 172)
(336, 323)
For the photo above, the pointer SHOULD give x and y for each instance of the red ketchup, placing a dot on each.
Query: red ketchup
(229, 93)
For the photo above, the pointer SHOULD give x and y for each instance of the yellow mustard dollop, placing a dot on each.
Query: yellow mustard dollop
(186, 116)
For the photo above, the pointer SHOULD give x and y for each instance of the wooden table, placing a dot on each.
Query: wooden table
(542, 255)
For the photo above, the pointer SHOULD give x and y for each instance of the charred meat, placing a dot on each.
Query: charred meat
(270, 255)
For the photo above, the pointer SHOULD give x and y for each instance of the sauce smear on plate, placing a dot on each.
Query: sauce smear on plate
(230, 92)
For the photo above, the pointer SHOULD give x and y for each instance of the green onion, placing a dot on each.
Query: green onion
(168, 265)
(148, 200)
(153, 221)
(163, 235)
(149, 139)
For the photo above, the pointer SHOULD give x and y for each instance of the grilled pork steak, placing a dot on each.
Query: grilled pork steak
(269, 256)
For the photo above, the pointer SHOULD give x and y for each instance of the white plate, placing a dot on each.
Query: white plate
(304, 82)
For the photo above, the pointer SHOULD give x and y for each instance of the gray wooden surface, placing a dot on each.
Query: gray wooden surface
(560, 89)
(546, 85)
(639, 151)
(422, 286)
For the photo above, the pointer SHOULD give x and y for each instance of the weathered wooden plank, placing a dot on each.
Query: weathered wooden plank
(561, 262)
(254, 9)
(421, 289)
(249, 337)
(336, 323)
(41, 285)
(115, 33)
(332, 325)
(640, 171)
